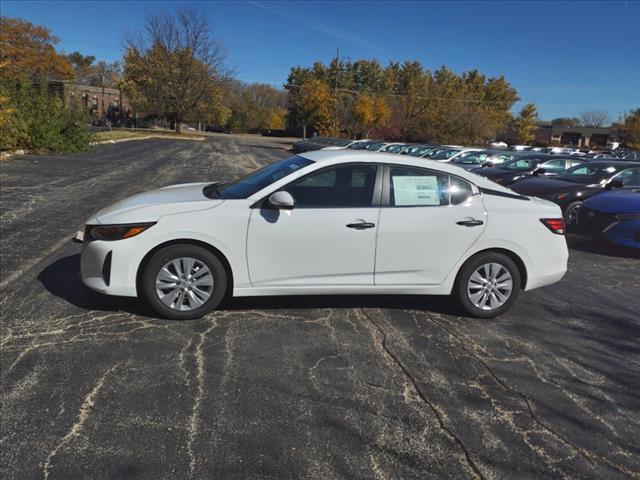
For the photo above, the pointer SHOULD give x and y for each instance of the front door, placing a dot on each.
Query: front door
(427, 221)
(327, 239)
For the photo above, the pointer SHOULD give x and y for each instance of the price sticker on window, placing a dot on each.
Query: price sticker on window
(415, 190)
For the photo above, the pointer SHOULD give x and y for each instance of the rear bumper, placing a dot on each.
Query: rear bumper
(550, 268)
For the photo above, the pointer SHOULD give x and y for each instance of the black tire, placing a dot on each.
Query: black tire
(470, 266)
(165, 255)
(570, 215)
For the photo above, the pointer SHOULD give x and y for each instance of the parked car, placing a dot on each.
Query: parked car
(449, 154)
(361, 145)
(479, 158)
(573, 186)
(394, 148)
(419, 150)
(327, 222)
(525, 166)
(613, 216)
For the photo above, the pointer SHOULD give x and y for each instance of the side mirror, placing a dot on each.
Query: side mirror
(539, 171)
(488, 164)
(614, 184)
(281, 200)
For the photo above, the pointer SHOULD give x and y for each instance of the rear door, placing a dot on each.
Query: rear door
(428, 220)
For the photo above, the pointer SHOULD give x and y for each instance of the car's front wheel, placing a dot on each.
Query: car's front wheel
(184, 281)
(487, 285)
(571, 214)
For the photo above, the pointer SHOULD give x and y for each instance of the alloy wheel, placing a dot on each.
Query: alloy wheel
(490, 286)
(184, 284)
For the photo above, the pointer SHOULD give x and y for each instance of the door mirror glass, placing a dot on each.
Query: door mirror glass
(281, 200)
(539, 171)
(488, 164)
(614, 184)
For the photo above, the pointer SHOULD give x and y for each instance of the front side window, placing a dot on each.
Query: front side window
(256, 181)
(412, 187)
(337, 187)
(519, 165)
(588, 173)
(629, 178)
(554, 166)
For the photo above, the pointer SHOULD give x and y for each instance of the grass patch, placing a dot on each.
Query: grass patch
(143, 133)
(118, 135)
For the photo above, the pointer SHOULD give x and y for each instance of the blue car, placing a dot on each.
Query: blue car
(614, 215)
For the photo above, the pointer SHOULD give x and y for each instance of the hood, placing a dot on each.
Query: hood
(543, 186)
(150, 206)
(616, 201)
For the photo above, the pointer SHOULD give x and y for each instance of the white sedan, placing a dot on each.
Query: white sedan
(327, 222)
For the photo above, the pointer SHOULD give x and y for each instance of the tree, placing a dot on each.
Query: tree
(29, 50)
(176, 69)
(566, 121)
(371, 112)
(525, 124)
(594, 118)
(82, 64)
(97, 74)
(630, 129)
(311, 103)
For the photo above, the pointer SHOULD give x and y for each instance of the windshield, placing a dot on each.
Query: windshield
(587, 173)
(418, 151)
(374, 146)
(471, 158)
(359, 145)
(256, 181)
(393, 148)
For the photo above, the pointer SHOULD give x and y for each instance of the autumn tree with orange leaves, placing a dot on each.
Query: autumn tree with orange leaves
(28, 50)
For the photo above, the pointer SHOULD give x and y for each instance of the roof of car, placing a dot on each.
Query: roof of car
(340, 156)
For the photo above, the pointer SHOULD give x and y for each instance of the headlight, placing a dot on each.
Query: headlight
(114, 232)
(628, 217)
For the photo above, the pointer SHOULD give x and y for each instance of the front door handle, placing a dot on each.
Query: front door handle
(471, 222)
(361, 225)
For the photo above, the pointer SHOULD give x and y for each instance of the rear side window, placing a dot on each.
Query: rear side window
(459, 190)
(413, 187)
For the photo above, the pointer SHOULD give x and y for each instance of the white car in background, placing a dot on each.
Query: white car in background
(327, 222)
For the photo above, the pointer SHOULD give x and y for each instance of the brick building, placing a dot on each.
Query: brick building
(580, 137)
(103, 103)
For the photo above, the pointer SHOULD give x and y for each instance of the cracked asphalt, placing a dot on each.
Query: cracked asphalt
(295, 387)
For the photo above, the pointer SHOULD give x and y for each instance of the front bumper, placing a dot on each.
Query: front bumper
(106, 267)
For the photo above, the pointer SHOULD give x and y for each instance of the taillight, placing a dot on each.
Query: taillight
(556, 225)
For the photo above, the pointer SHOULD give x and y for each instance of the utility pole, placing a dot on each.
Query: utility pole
(103, 115)
(335, 90)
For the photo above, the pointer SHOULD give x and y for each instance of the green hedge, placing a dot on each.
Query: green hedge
(33, 118)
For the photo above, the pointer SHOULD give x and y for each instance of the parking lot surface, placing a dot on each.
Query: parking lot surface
(295, 387)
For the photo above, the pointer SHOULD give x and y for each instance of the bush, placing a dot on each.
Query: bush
(34, 118)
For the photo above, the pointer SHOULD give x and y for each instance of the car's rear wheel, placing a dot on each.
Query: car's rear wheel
(184, 281)
(487, 285)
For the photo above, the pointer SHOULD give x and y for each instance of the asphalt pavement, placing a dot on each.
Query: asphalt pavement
(295, 387)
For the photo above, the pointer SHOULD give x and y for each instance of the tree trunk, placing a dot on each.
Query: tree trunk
(304, 131)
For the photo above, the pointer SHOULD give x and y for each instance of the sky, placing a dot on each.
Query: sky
(566, 57)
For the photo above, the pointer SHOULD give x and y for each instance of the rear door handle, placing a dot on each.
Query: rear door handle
(360, 225)
(472, 222)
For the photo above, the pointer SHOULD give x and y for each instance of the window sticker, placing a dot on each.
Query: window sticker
(419, 190)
